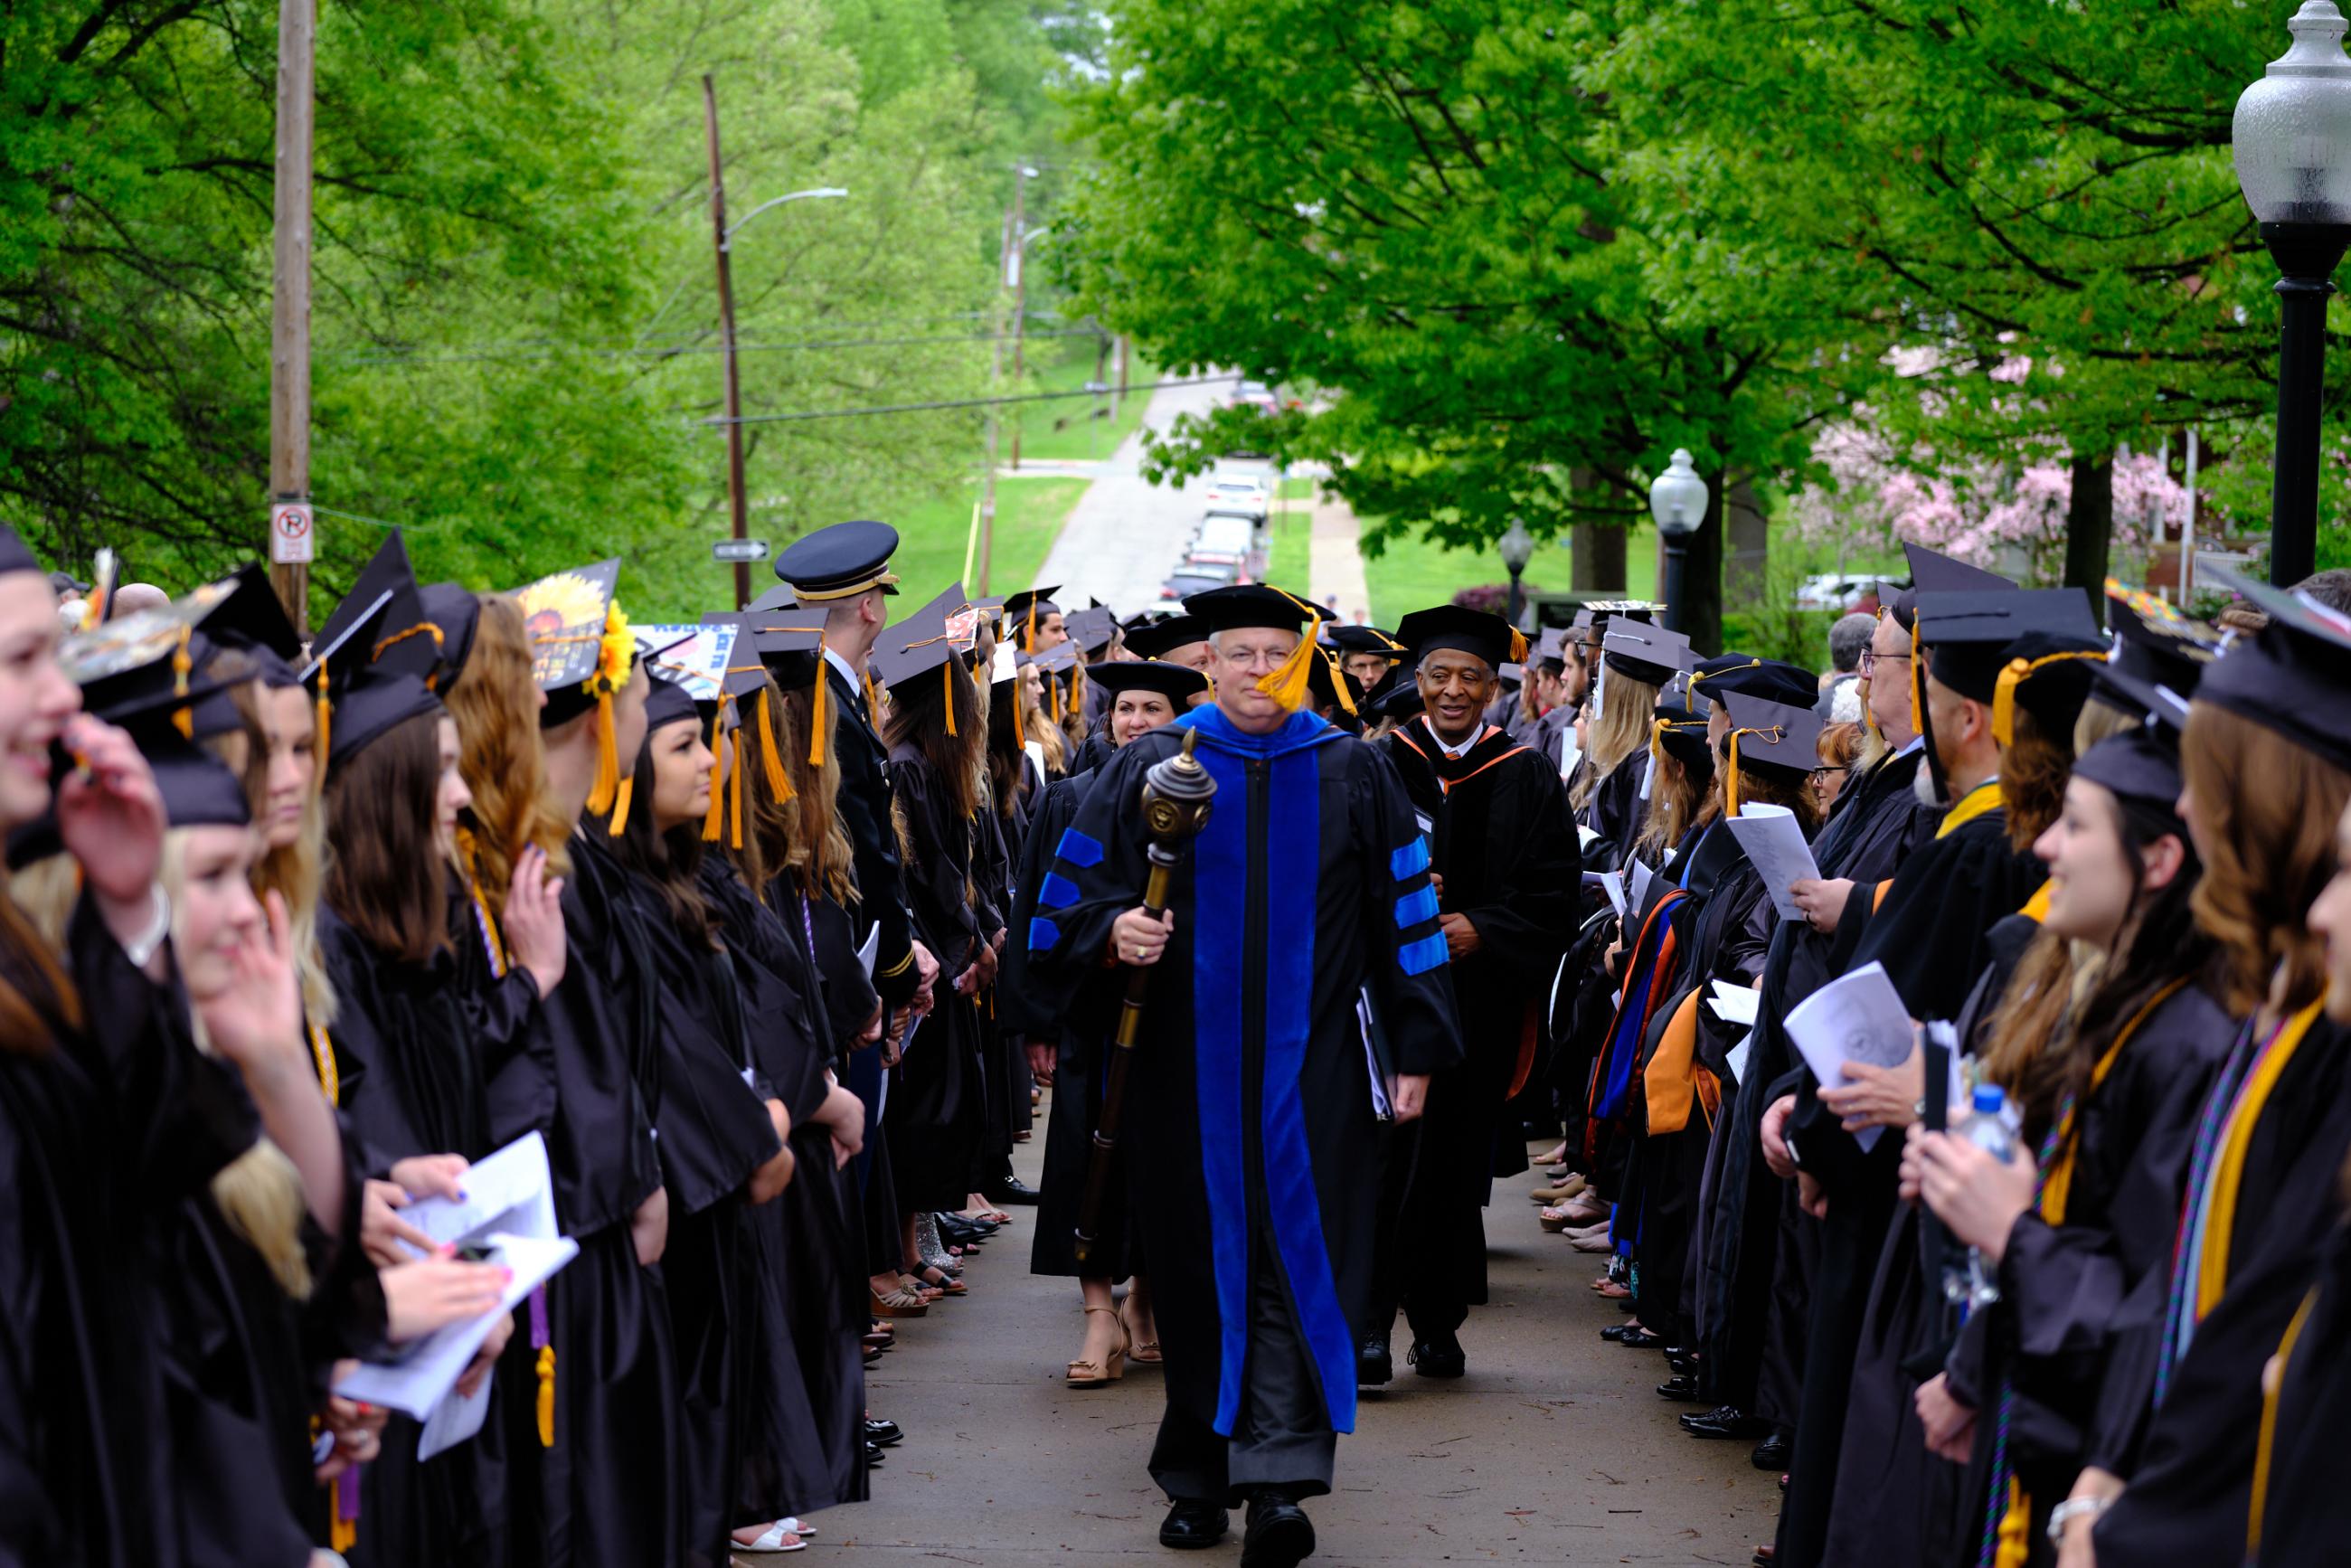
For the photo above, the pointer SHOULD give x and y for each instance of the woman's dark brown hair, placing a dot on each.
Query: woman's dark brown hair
(2063, 1007)
(816, 848)
(2268, 808)
(1008, 762)
(2033, 769)
(918, 716)
(385, 875)
(669, 863)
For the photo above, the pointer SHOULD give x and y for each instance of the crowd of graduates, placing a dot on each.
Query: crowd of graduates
(769, 929)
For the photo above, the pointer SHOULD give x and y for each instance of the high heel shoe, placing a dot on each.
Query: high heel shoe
(928, 1249)
(1093, 1375)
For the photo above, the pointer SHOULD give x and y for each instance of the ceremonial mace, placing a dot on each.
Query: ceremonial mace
(1177, 795)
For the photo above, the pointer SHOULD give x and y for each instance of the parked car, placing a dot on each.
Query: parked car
(1833, 591)
(1198, 577)
(1223, 537)
(1240, 495)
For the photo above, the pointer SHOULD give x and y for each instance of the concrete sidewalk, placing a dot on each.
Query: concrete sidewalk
(1334, 560)
(1553, 1449)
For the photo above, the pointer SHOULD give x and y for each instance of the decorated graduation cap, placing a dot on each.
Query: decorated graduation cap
(2293, 676)
(1774, 738)
(839, 562)
(1593, 617)
(376, 655)
(2155, 645)
(1775, 680)
(1157, 639)
(165, 661)
(1177, 683)
(581, 650)
(689, 674)
(1244, 605)
(1484, 637)
(1641, 652)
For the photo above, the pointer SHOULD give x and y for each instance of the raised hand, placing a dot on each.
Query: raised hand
(534, 920)
(255, 1022)
(110, 815)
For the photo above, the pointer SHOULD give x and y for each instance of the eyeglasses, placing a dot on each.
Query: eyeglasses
(1870, 656)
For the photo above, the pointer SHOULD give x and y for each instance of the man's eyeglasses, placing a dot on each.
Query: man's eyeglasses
(1870, 657)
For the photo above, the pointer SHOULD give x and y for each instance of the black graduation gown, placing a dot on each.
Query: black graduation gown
(1000, 1073)
(2306, 1515)
(1079, 1063)
(2188, 1500)
(410, 1082)
(1752, 1305)
(107, 1134)
(1932, 935)
(864, 804)
(715, 1132)
(1251, 1107)
(606, 1490)
(803, 1438)
(937, 1109)
(1615, 810)
(1500, 839)
(2067, 1291)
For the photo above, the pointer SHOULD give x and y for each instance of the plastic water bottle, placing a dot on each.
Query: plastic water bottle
(1989, 1129)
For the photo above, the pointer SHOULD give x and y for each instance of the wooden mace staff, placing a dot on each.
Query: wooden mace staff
(1177, 795)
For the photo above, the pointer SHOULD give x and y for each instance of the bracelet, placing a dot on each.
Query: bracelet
(2072, 1508)
(138, 949)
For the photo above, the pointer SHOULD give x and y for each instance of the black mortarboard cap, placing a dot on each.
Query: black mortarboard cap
(1245, 604)
(779, 597)
(789, 642)
(252, 617)
(1774, 680)
(155, 663)
(2140, 765)
(1966, 632)
(457, 612)
(2155, 644)
(1774, 737)
(1177, 683)
(1931, 571)
(2292, 676)
(919, 646)
(1023, 609)
(1057, 660)
(1156, 639)
(14, 555)
(1326, 680)
(197, 787)
(840, 562)
(1550, 645)
(1352, 640)
(2049, 675)
(1680, 730)
(1090, 630)
(1397, 697)
(1650, 654)
(1461, 629)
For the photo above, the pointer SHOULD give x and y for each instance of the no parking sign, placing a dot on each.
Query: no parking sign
(291, 533)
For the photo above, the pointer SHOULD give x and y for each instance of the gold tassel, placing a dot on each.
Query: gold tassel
(873, 697)
(1518, 647)
(1918, 688)
(771, 757)
(2019, 671)
(621, 805)
(1730, 782)
(607, 758)
(1339, 682)
(325, 718)
(735, 786)
(817, 715)
(547, 1397)
(1286, 682)
(1019, 702)
(182, 663)
(343, 1534)
(947, 688)
(717, 772)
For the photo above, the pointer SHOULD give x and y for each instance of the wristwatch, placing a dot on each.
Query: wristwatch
(141, 947)
(2072, 1508)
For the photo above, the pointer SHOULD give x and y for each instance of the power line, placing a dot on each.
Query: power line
(402, 356)
(953, 402)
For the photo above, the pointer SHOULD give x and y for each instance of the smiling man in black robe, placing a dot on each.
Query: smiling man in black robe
(1255, 1108)
(1509, 879)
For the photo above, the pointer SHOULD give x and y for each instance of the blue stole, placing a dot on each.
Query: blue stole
(1292, 839)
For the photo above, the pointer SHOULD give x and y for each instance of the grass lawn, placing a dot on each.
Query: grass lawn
(1076, 428)
(1413, 573)
(1029, 516)
(1288, 530)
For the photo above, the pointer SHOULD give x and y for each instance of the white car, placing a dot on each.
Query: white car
(1223, 537)
(1240, 495)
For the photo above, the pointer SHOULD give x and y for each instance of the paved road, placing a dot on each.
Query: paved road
(1126, 534)
(1553, 1449)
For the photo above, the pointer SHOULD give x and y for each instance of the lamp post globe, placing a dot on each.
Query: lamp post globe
(1518, 547)
(1677, 500)
(2291, 140)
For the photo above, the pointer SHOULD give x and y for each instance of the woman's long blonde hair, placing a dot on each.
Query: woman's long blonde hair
(815, 846)
(259, 1193)
(297, 873)
(495, 701)
(1626, 706)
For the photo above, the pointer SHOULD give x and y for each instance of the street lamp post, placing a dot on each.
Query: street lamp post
(1677, 501)
(1518, 547)
(2292, 141)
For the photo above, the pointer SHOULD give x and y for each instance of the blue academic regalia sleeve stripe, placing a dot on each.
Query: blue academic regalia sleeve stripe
(1409, 861)
(1419, 958)
(1043, 934)
(1416, 907)
(1056, 892)
(1081, 849)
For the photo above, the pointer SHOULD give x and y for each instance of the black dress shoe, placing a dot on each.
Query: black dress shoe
(1439, 1357)
(882, 1432)
(1194, 1523)
(1616, 1332)
(1637, 1338)
(1374, 1363)
(1280, 1535)
(1012, 1189)
(1724, 1421)
(1682, 1388)
(1771, 1453)
(872, 1455)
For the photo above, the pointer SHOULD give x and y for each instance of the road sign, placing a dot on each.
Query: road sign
(292, 533)
(740, 550)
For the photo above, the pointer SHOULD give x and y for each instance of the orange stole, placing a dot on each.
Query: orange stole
(1673, 1081)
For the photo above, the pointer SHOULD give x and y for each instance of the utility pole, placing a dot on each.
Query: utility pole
(1008, 275)
(738, 505)
(1019, 288)
(289, 320)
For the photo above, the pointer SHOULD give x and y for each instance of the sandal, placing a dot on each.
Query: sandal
(1142, 1351)
(1093, 1375)
(775, 1538)
(901, 1302)
(944, 1283)
(1555, 1220)
(908, 1282)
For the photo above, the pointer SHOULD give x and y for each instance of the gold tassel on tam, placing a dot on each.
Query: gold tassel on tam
(182, 664)
(735, 788)
(946, 689)
(1918, 688)
(545, 1401)
(1287, 682)
(717, 771)
(2018, 671)
(1339, 682)
(817, 710)
(1518, 647)
(771, 756)
(1730, 780)
(621, 806)
(615, 650)
(325, 721)
(873, 697)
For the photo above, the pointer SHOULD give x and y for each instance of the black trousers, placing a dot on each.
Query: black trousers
(1429, 1241)
(1282, 1439)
